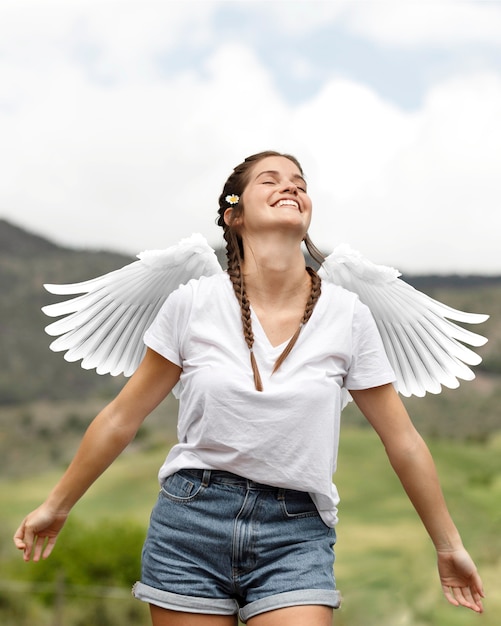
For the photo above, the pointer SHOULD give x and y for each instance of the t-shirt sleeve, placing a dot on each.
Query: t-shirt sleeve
(164, 334)
(370, 366)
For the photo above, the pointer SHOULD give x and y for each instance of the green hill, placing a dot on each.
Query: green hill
(29, 370)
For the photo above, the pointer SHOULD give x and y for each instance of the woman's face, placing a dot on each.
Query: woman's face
(275, 198)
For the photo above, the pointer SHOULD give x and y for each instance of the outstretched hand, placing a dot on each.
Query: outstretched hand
(38, 533)
(460, 580)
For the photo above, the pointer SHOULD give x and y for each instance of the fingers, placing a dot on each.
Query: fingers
(23, 540)
(450, 597)
(19, 538)
(49, 547)
(38, 546)
(464, 596)
(477, 591)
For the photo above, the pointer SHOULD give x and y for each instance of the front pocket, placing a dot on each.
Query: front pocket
(298, 504)
(182, 487)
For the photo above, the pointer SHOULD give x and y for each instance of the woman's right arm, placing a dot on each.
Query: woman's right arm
(107, 436)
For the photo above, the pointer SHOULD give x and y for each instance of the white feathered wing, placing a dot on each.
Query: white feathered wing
(425, 348)
(105, 326)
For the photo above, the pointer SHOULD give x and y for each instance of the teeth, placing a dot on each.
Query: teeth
(287, 203)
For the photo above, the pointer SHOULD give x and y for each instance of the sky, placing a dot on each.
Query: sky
(120, 120)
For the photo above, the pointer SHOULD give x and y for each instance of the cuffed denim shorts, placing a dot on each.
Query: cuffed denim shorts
(221, 544)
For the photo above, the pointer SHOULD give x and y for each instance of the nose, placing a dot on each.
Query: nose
(290, 187)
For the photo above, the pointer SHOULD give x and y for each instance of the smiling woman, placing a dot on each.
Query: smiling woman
(245, 520)
(265, 231)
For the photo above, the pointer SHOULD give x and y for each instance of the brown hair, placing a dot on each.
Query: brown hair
(235, 185)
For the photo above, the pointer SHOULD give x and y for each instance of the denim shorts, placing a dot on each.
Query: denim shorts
(221, 544)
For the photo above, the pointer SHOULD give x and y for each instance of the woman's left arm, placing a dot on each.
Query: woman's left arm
(411, 459)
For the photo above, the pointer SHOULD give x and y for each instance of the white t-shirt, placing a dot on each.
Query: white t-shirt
(286, 435)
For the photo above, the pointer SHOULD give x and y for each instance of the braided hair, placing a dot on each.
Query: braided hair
(235, 185)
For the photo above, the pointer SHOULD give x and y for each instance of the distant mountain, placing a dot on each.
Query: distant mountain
(16, 242)
(28, 369)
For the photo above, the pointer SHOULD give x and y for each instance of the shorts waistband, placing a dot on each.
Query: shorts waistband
(208, 476)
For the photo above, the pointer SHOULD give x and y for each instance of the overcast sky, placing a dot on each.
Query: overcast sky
(120, 120)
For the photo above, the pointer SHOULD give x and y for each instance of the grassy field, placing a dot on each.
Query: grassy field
(385, 563)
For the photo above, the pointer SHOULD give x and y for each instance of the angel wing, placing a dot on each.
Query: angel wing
(105, 326)
(425, 348)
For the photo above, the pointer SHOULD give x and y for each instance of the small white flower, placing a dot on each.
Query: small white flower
(232, 199)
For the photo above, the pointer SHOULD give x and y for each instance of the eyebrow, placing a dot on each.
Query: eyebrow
(276, 173)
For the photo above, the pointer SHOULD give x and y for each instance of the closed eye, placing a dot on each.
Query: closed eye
(273, 182)
(273, 179)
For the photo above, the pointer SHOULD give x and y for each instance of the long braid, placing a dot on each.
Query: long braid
(237, 280)
(316, 290)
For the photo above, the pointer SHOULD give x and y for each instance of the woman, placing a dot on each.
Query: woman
(246, 514)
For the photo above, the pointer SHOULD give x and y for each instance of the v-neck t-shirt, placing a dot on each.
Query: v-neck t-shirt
(288, 434)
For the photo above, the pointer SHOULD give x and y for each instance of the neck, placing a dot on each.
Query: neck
(273, 272)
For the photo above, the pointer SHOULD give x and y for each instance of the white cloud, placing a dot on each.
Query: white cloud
(298, 17)
(399, 23)
(128, 40)
(357, 133)
(112, 39)
(437, 23)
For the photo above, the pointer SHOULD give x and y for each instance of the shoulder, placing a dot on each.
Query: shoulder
(207, 284)
(339, 303)
(336, 293)
(200, 288)
(192, 296)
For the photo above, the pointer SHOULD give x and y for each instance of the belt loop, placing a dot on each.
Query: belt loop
(281, 494)
(206, 477)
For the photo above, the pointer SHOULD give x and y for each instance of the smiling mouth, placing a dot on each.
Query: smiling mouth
(291, 203)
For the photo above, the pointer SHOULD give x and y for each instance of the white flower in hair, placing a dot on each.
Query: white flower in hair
(232, 199)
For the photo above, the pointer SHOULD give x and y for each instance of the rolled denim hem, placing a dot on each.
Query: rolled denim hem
(188, 604)
(300, 597)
